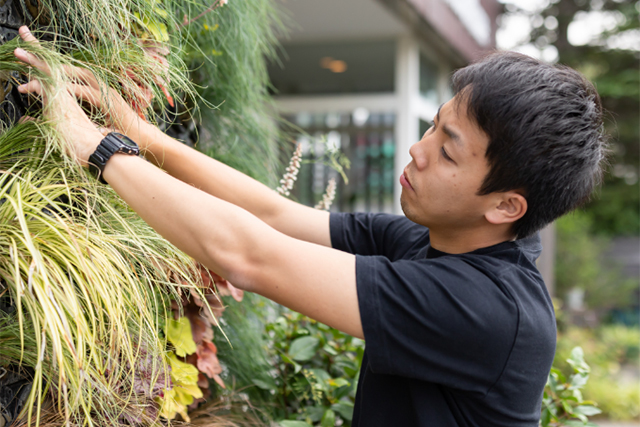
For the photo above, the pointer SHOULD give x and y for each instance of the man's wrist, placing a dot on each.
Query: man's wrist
(83, 154)
(147, 136)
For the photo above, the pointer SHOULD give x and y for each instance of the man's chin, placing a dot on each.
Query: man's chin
(411, 213)
(406, 209)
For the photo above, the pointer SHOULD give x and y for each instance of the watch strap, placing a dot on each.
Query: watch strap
(110, 145)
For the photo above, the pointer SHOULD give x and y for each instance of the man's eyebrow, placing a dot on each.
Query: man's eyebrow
(451, 134)
(438, 113)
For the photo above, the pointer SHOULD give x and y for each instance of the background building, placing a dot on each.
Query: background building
(367, 76)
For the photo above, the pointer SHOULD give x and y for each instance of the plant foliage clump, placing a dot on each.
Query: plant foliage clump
(88, 285)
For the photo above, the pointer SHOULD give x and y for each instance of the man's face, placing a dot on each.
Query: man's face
(448, 166)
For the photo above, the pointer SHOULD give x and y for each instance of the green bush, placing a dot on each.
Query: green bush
(316, 372)
(562, 402)
(611, 351)
(580, 264)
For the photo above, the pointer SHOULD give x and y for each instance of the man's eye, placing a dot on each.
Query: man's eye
(445, 155)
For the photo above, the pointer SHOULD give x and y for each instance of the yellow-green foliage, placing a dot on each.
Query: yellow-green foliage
(91, 282)
(185, 389)
(89, 279)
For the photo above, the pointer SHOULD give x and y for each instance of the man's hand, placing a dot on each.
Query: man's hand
(84, 86)
(81, 135)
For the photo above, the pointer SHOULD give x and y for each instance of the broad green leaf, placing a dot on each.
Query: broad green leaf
(351, 371)
(545, 418)
(293, 423)
(303, 348)
(287, 359)
(338, 382)
(265, 385)
(587, 410)
(330, 350)
(179, 334)
(345, 409)
(578, 381)
(341, 392)
(320, 374)
(328, 419)
(577, 361)
(315, 413)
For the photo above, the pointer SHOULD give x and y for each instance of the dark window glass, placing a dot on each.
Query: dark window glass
(429, 79)
(333, 68)
(367, 140)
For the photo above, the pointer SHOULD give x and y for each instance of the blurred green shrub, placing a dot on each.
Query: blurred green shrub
(562, 402)
(613, 352)
(317, 369)
(580, 264)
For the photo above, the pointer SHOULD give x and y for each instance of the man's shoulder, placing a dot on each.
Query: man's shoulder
(392, 236)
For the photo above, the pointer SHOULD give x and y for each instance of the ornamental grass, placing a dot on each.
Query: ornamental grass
(89, 293)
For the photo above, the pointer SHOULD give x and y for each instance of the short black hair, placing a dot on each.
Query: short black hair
(545, 129)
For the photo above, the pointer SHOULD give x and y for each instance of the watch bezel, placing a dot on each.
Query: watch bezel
(111, 144)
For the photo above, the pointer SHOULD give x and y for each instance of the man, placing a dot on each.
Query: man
(459, 327)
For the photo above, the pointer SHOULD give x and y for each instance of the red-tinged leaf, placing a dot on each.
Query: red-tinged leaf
(216, 306)
(203, 382)
(218, 380)
(200, 324)
(227, 289)
(169, 97)
(223, 286)
(195, 298)
(208, 362)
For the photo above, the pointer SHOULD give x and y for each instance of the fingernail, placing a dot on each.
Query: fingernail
(20, 51)
(22, 88)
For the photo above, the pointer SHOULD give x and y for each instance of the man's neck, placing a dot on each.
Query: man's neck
(461, 241)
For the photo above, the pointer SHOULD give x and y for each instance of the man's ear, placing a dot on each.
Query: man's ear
(510, 207)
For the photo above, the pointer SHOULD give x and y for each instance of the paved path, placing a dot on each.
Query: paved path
(617, 424)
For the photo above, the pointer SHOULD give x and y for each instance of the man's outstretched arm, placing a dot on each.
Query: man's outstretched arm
(191, 166)
(216, 178)
(316, 281)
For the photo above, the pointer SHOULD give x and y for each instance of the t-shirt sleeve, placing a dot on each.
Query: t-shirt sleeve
(392, 236)
(437, 320)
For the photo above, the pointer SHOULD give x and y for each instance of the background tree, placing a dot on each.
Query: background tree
(601, 39)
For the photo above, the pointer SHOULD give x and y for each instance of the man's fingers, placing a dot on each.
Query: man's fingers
(81, 75)
(33, 87)
(86, 93)
(26, 35)
(30, 58)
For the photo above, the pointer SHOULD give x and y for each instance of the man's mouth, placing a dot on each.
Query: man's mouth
(404, 181)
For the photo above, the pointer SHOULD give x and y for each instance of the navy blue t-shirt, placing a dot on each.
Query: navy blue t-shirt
(451, 340)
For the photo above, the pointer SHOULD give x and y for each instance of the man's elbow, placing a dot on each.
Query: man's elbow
(237, 266)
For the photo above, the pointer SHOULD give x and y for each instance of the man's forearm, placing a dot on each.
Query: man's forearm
(226, 183)
(314, 280)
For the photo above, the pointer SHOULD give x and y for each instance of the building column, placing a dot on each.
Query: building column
(407, 87)
(548, 256)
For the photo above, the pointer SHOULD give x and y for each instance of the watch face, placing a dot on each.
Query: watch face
(125, 140)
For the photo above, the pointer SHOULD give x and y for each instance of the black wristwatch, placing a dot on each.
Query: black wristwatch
(111, 144)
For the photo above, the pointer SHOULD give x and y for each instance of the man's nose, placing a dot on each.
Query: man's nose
(419, 153)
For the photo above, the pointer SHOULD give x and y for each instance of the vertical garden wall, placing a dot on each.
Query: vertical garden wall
(103, 322)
